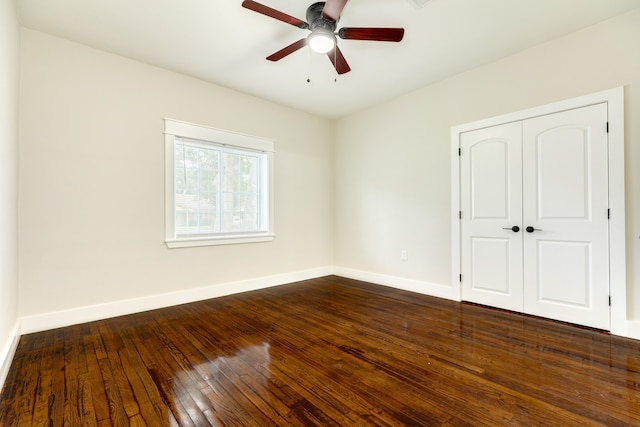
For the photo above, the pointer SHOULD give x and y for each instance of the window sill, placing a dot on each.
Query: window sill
(209, 241)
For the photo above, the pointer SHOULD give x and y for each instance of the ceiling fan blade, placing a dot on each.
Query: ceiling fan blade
(338, 61)
(288, 50)
(276, 14)
(376, 34)
(332, 9)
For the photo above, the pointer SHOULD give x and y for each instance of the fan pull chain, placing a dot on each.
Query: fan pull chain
(310, 68)
(308, 65)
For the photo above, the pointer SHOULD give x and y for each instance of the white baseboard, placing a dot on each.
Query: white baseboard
(7, 351)
(418, 286)
(58, 319)
(628, 328)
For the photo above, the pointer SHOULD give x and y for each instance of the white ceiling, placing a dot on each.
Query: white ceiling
(221, 42)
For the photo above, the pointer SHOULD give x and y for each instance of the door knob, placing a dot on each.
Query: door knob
(515, 228)
(530, 229)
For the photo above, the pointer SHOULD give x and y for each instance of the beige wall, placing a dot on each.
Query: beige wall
(92, 176)
(392, 162)
(9, 66)
(91, 194)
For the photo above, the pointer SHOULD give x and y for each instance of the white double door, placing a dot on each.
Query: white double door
(534, 226)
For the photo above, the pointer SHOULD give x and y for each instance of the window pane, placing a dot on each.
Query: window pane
(218, 186)
(196, 184)
(240, 192)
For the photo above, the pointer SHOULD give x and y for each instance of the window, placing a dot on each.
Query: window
(218, 186)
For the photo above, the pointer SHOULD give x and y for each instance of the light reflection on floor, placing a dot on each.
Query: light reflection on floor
(225, 371)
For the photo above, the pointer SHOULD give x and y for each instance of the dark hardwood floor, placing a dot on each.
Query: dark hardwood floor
(324, 352)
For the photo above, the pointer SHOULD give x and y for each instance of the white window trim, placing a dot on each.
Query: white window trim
(178, 129)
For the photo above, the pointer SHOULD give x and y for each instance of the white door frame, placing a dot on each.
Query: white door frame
(620, 324)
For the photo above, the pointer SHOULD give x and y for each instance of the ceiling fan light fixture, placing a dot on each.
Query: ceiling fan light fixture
(321, 41)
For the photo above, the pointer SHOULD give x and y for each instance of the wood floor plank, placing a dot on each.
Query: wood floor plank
(150, 350)
(328, 351)
(95, 393)
(72, 374)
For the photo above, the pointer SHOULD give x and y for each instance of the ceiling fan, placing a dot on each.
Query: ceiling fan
(322, 19)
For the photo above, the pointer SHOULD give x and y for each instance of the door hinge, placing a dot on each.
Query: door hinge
(459, 151)
(459, 214)
(609, 300)
(461, 278)
(607, 127)
(608, 213)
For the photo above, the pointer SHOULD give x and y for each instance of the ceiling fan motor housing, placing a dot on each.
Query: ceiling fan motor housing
(317, 21)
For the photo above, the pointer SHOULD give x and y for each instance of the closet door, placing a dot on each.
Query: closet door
(491, 202)
(565, 209)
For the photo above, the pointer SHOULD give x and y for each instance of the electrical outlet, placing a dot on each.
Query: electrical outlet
(404, 255)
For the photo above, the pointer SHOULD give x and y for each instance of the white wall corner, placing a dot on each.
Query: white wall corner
(58, 319)
(412, 285)
(7, 351)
